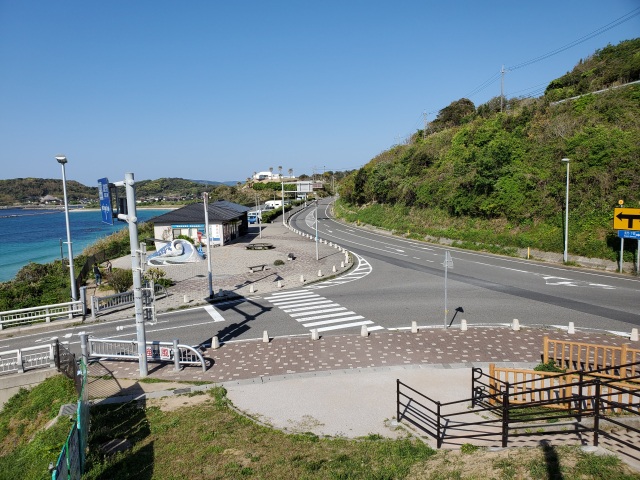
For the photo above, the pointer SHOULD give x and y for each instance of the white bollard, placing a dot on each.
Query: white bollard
(515, 326)
(301, 278)
(215, 343)
(279, 283)
(364, 332)
(265, 337)
(341, 264)
(572, 329)
(251, 289)
(331, 244)
(634, 335)
(186, 299)
(319, 273)
(333, 269)
(463, 325)
(314, 334)
(414, 326)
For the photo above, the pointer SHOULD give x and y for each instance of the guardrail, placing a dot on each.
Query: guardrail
(23, 359)
(46, 313)
(125, 299)
(156, 351)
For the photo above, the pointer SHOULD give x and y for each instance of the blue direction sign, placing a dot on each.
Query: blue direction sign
(629, 234)
(105, 200)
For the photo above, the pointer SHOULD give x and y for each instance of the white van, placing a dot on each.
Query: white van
(271, 204)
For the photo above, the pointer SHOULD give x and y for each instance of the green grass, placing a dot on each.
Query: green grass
(25, 446)
(211, 440)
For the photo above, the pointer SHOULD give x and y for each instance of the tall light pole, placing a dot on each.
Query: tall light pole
(205, 196)
(317, 257)
(282, 179)
(62, 160)
(259, 217)
(566, 215)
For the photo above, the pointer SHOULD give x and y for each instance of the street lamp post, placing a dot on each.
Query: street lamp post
(62, 160)
(317, 256)
(205, 196)
(566, 215)
(282, 180)
(259, 217)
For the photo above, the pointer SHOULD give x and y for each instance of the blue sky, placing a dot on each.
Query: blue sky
(216, 90)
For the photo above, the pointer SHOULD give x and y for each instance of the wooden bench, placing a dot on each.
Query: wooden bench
(260, 246)
(257, 268)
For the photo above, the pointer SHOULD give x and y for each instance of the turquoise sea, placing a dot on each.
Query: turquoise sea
(34, 235)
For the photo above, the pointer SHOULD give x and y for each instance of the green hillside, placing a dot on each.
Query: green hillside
(29, 191)
(481, 175)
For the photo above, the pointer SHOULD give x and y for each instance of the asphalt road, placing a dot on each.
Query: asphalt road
(407, 283)
(396, 281)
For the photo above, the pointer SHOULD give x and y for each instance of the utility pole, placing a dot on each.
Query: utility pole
(424, 131)
(501, 88)
(131, 218)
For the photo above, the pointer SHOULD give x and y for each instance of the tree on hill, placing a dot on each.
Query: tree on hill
(504, 168)
(612, 65)
(454, 114)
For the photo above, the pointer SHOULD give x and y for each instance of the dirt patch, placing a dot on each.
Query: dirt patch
(174, 402)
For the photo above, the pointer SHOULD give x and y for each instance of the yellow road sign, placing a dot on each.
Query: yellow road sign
(626, 218)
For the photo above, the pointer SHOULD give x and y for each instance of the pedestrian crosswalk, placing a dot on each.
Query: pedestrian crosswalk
(362, 269)
(314, 311)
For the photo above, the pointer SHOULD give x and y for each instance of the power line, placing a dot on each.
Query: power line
(484, 85)
(595, 33)
(494, 78)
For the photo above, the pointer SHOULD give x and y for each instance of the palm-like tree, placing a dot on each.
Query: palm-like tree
(291, 173)
(280, 170)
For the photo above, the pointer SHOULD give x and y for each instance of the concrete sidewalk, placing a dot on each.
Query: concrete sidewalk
(345, 385)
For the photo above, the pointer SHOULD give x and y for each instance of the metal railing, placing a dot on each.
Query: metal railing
(52, 355)
(156, 351)
(23, 359)
(581, 395)
(71, 460)
(46, 313)
(125, 299)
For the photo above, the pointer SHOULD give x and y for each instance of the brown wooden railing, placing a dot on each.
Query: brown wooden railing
(560, 390)
(588, 356)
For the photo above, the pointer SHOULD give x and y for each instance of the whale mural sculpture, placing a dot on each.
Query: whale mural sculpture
(174, 253)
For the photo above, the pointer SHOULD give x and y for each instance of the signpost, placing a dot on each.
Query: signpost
(104, 194)
(629, 234)
(627, 222)
(626, 218)
(448, 263)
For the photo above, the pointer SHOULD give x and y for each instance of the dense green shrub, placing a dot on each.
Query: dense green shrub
(120, 279)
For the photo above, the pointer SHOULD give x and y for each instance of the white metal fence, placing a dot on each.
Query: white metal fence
(125, 299)
(156, 351)
(22, 359)
(46, 313)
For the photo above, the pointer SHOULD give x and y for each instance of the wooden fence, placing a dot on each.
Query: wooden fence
(588, 356)
(560, 390)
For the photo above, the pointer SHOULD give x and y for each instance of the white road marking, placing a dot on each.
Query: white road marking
(214, 313)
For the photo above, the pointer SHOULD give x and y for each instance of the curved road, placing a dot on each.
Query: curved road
(394, 282)
(407, 283)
